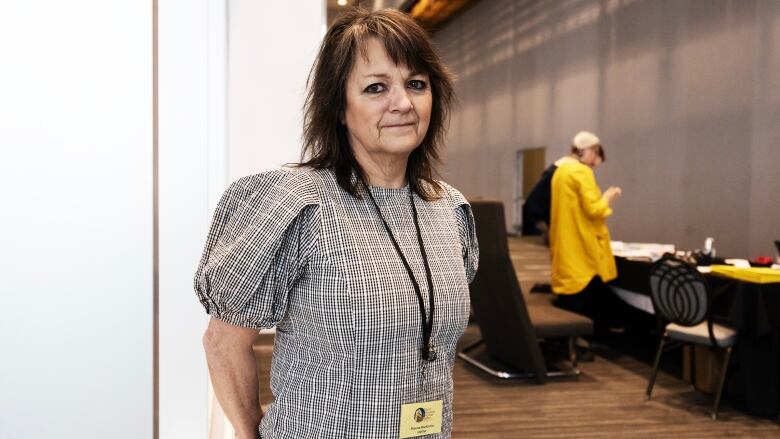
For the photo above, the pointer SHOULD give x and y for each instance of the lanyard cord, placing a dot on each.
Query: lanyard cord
(427, 323)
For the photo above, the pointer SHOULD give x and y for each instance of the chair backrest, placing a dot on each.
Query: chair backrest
(679, 292)
(497, 299)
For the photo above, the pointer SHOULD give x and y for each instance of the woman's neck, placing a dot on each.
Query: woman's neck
(383, 170)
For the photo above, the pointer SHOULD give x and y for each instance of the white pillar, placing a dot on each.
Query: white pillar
(192, 175)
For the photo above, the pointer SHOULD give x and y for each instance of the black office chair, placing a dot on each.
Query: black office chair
(681, 297)
(510, 329)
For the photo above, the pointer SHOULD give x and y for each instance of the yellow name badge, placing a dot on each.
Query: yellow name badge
(420, 418)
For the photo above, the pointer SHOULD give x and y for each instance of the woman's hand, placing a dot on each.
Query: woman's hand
(611, 194)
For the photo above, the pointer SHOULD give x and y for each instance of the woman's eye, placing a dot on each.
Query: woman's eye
(375, 88)
(417, 84)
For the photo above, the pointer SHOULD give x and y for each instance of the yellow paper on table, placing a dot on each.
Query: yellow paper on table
(758, 275)
(420, 418)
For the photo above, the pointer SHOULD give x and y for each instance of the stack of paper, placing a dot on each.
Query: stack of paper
(640, 250)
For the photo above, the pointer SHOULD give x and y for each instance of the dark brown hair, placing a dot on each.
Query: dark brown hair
(325, 139)
(599, 152)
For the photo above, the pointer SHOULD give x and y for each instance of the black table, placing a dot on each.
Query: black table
(754, 310)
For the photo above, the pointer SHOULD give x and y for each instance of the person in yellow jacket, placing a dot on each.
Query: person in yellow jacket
(582, 257)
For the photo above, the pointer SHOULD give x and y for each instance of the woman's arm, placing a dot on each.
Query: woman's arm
(233, 373)
(595, 204)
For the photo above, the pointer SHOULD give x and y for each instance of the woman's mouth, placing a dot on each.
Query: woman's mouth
(400, 125)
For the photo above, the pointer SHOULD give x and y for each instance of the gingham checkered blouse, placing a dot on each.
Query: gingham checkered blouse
(291, 248)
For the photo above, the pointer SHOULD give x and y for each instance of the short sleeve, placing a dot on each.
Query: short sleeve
(263, 232)
(464, 220)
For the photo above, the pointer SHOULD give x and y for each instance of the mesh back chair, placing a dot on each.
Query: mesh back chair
(509, 328)
(681, 297)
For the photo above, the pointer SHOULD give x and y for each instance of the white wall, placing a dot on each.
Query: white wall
(272, 48)
(76, 233)
(193, 173)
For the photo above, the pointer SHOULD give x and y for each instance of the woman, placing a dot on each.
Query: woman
(358, 256)
(579, 239)
(586, 148)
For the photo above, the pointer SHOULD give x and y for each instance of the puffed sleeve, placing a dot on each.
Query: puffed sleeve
(264, 230)
(466, 230)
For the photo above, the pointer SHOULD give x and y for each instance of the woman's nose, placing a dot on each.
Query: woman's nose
(399, 101)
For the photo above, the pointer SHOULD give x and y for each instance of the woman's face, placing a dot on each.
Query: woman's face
(590, 157)
(388, 106)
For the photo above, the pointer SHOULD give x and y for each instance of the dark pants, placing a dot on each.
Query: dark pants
(597, 302)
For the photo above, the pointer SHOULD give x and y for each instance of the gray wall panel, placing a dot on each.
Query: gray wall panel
(684, 95)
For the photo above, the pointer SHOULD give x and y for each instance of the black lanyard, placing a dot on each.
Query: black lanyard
(426, 351)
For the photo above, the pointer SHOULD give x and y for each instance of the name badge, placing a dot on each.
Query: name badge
(420, 418)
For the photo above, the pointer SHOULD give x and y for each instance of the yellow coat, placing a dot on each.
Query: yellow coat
(579, 238)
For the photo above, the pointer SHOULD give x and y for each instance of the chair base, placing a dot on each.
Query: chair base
(557, 370)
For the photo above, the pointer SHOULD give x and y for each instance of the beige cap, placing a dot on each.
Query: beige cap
(585, 140)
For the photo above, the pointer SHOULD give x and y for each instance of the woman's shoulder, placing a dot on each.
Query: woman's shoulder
(291, 184)
(575, 167)
(464, 219)
(454, 196)
(572, 171)
(582, 173)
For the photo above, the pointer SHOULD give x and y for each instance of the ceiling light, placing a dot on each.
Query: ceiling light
(342, 2)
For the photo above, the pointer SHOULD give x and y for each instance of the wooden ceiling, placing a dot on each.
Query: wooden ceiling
(431, 14)
(434, 14)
